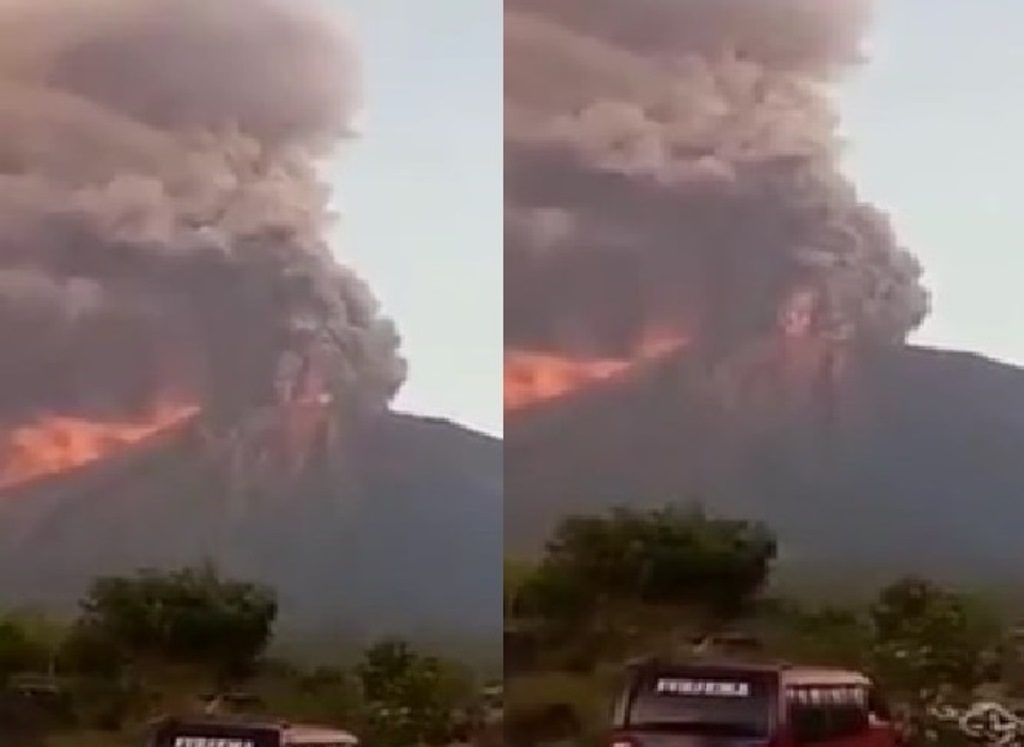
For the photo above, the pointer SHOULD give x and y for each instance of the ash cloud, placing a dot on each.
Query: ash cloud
(673, 163)
(161, 215)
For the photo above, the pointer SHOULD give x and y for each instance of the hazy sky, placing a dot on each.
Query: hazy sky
(421, 195)
(936, 129)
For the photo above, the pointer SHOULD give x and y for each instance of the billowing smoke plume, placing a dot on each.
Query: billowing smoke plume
(673, 163)
(161, 216)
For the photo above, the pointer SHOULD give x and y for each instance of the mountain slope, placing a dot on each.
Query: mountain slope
(405, 538)
(912, 464)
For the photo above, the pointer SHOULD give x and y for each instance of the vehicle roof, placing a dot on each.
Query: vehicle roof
(305, 733)
(318, 735)
(731, 665)
(789, 674)
(820, 676)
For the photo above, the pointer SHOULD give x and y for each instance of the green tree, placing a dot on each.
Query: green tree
(190, 616)
(555, 591)
(661, 557)
(412, 696)
(929, 638)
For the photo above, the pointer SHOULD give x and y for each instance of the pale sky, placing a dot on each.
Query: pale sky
(421, 196)
(935, 124)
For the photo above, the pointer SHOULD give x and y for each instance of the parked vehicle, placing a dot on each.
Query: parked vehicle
(749, 705)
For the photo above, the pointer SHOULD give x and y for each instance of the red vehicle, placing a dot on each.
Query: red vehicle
(738, 705)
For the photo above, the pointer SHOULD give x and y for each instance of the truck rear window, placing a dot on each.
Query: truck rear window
(728, 704)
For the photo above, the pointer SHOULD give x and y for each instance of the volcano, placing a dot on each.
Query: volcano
(678, 166)
(191, 370)
(906, 463)
(398, 533)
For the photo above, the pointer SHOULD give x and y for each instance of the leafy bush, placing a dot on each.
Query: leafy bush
(188, 616)
(928, 638)
(657, 557)
(412, 697)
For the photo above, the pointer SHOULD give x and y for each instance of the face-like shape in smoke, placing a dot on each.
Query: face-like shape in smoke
(672, 163)
(160, 211)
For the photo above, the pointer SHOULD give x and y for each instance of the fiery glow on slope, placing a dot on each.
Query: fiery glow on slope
(532, 377)
(56, 443)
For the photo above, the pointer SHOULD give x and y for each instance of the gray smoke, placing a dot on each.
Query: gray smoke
(161, 214)
(673, 163)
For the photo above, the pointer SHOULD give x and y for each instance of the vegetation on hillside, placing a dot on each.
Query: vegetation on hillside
(191, 641)
(628, 584)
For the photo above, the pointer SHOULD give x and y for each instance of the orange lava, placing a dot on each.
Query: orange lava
(58, 443)
(532, 377)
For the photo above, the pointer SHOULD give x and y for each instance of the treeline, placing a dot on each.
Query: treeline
(672, 582)
(187, 641)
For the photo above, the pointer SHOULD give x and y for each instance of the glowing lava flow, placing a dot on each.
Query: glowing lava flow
(58, 443)
(532, 377)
